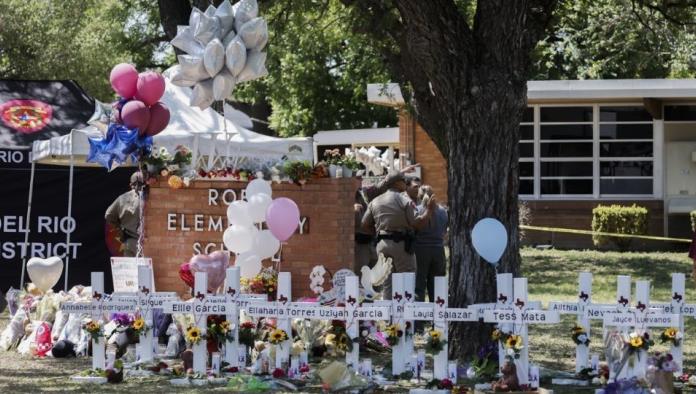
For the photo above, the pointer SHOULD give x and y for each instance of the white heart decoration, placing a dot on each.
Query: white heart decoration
(44, 273)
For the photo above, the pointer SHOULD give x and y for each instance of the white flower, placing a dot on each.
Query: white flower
(692, 380)
(163, 151)
(582, 338)
(510, 352)
(679, 335)
(155, 154)
(596, 381)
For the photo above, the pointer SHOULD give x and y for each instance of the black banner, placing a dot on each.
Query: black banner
(93, 191)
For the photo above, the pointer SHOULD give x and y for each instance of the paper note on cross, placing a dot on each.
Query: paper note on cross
(99, 308)
(440, 315)
(519, 317)
(201, 307)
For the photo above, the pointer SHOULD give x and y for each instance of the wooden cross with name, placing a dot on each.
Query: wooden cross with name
(580, 308)
(678, 305)
(146, 300)
(520, 316)
(641, 317)
(99, 308)
(351, 313)
(440, 315)
(201, 306)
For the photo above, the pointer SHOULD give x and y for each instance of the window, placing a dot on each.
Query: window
(589, 150)
(680, 113)
(565, 150)
(526, 149)
(625, 151)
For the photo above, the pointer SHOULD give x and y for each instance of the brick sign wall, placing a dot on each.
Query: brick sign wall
(184, 222)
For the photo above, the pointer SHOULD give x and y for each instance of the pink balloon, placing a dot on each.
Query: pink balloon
(124, 80)
(135, 115)
(282, 218)
(214, 264)
(150, 87)
(159, 119)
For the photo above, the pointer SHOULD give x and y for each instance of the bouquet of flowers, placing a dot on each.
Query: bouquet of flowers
(219, 329)
(672, 335)
(513, 344)
(265, 282)
(139, 326)
(636, 342)
(338, 337)
(663, 362)
(434, 343)
(247, 334)
(298, 171)
(94, 329)
(580, 336)
(333, 156)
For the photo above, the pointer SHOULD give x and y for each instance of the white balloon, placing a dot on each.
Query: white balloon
(254, 33)
(254, 68)
(225, 14)
(249, 265)
(228, 38)
(194, 19)
(44, 273)
(238, 213)
(258, 186)
(265, 244)
(239, 239)
(244, 11)
(235, 56)
(202, 95)
(210, 11)
(101, 116)
(214, 57)
(185, 41)
(179, 79)
(223, 84)
(489, 238)
(192, 67)
(258, 204)
(207, 28)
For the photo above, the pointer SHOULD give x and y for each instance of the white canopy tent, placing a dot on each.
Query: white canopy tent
(213, 140)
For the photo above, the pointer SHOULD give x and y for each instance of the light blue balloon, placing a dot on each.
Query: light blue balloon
(489, 238)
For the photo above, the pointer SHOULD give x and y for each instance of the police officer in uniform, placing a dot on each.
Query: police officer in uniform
(392, 216)
(124, 214)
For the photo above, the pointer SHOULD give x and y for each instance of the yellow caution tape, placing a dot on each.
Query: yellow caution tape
(587, 232)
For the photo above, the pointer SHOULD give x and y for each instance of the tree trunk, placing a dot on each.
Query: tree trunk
(482, 175)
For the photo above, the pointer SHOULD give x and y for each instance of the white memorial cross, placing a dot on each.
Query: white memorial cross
(351, 313)
(146, 300)
(440, 315)
(641, 318)
(580, 308)
(679, 306)
(201, 307)
(99, 308)
(520, 316)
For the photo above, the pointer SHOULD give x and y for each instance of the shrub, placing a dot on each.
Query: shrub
(692, 214)
(618, 219)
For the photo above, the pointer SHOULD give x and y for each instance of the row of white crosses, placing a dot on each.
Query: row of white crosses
(642, 316)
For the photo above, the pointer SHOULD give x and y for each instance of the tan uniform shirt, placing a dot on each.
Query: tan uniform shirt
(391, 211)
(124, 213)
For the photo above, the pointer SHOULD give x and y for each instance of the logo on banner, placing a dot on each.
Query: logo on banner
(26, 116)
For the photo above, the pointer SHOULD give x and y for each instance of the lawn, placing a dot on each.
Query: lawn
(552, 277)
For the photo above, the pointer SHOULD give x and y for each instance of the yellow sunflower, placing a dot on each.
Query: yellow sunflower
(93, 326)
(671, 333)
(435, 335)
(277, 336)
(514, 342)
(225, 326)
(496, 334)
(193, 335)
(636, 342)
(138, 324)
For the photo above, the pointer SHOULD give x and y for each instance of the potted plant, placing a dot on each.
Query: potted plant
(298, 171)
(350, 166)
(333, 158)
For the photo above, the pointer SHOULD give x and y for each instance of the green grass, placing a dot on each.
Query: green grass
(552, 276)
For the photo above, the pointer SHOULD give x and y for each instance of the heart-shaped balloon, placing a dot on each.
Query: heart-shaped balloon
(44, 273)
(214, 264)
(186, 275)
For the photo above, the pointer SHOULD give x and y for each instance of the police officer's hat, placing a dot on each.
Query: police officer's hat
(392, 179)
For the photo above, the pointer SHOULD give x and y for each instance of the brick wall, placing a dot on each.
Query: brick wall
(327, 204)
(414, 139)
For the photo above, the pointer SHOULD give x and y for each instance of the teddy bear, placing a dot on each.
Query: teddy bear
(508, 382)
